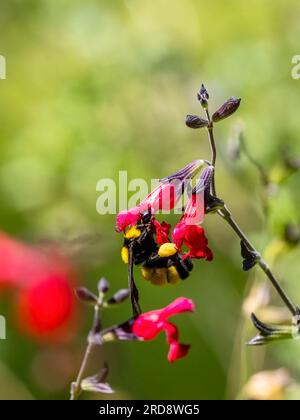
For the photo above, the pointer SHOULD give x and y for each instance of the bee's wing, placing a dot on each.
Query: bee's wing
(86, 248)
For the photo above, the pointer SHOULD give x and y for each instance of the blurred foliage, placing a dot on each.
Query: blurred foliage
(100, 86)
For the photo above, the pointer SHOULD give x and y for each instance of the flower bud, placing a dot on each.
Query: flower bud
(186, 173)
(103, 285)
(121, 332)
(193, 121)
(269, 333)
(118, 297)
(203, 96)
(227, 109)
(96, 383)
(290, 162)
(292, 234)
(86, 295)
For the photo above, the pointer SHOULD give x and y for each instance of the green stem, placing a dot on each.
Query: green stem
(226, 215)
(76, 386)
(213, 149)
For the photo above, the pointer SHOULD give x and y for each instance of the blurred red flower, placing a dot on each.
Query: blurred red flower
(42, 281)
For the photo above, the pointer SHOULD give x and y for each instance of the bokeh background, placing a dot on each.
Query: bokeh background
(94, 87)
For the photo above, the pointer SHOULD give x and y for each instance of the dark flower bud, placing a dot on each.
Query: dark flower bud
(251, 258)
(203, 96)
(193, 121)
(292, 163)
(269, 333)
(227, 109)
(292, 234)
(118, 297)
(121, 332)
(103, 285)
(86, 295)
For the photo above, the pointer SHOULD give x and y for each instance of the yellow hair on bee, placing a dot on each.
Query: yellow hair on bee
(167, 250)
(157, 276)
(125, 254)
(172, 275)
(147, 273)
(133, 233)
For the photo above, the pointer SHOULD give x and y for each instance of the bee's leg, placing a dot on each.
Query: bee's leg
(134, 293)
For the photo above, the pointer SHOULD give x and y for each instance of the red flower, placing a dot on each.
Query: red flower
(148, 325)
(127, 218)
(162, 231)
(194, 238)
(43, 282)
(195, 209)
(164, 197)
(45, 307)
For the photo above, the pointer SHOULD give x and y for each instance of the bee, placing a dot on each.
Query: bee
(140, 239)
(161, 265)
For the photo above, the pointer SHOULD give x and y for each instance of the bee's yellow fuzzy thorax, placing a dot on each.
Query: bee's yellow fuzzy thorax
(133, 233)
(167, 250)
(125, 254)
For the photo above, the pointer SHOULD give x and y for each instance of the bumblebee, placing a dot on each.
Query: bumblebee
(161, 264)
(140, 239)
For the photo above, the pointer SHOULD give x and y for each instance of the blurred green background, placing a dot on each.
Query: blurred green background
(94, 87)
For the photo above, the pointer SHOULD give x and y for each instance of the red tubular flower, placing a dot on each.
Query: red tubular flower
(194, 238)
(162, 231)
(127, 218)
(195, 209)
(148, 325)
(164, 197)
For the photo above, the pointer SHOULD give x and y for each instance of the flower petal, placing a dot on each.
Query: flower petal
(162, 231)
(177, 351)
(178, 306)
(146, 326)
(127, 218)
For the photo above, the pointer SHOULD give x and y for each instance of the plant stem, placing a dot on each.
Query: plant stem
(134, 294)
(76, 387)
(213, 151)
(226, 215)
